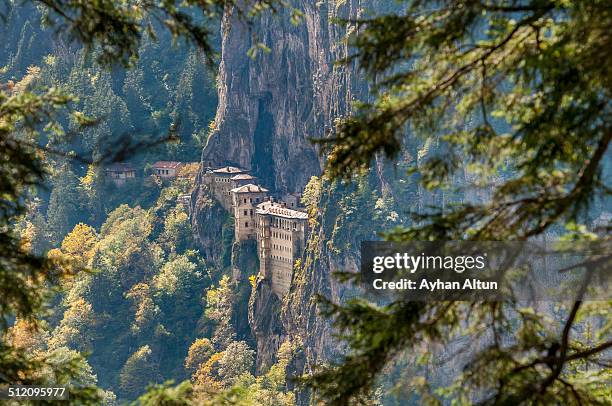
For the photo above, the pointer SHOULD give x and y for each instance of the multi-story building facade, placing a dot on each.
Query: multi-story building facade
(220, 183)
(244, 201)
(279, 228)
(281, 236)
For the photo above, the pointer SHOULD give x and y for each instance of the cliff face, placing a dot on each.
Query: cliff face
(268, 109)
(266, 325)
(209, 220)
(269, 106)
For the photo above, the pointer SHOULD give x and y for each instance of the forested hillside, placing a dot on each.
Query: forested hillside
(168, 94)
(144, 305)
(137, 286)
(151, 307)
(145, 302)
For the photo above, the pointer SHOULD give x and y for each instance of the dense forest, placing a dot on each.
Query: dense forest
(150, 310)
(391, 122)
(148, 307)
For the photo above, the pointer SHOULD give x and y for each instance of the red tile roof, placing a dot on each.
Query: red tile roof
(167, 164)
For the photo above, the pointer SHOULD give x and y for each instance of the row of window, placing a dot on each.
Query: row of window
(283, 224)
(284, 236)
(281, 248)
(283, 259)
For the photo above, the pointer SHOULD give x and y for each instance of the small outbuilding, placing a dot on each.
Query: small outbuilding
(167, 169)
(120, 172)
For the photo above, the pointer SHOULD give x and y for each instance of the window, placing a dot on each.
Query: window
(245, 201)
(251, 212)
(245, 212)
(257, 200)
(246, 224)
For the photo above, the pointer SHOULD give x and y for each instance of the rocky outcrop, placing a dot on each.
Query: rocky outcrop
(244, 265)
(265, 321)
(269, 108)
(208, 220)
(322, 259)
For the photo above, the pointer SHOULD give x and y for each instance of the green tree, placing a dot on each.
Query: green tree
(237, 359)
(176, 275)
(125, 253)
(139, 371)
(269, 389)
(53, 365)
(65, 206)
(168, 395)
(34, 233)
(219, 303)
(177, 234)
(79, 244)
(74, 331)
(222, 369)
(199, 352)
(518, 96)
(91, 186)
(146, 311)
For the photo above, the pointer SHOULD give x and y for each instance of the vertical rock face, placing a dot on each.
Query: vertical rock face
(271, 105)
(208, 218)
(269, 108)
(266, 324)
